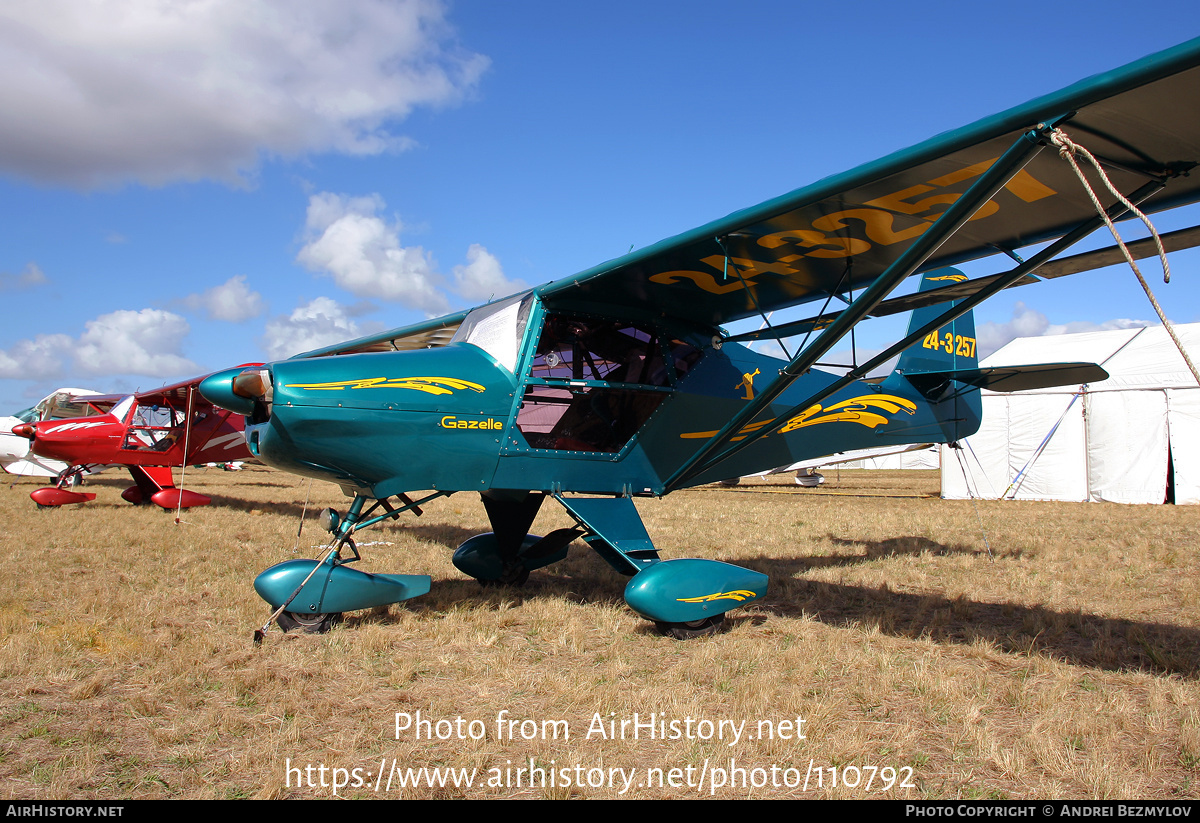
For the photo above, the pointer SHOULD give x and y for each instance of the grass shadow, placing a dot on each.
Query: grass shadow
(1113, 644)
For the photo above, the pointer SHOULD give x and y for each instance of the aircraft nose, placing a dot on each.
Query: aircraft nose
(238, 389)
(24, 430)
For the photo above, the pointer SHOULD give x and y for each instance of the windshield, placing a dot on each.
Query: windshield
(121, 409)
(498, 328)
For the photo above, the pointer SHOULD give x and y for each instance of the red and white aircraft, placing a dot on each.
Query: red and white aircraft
(148, 433)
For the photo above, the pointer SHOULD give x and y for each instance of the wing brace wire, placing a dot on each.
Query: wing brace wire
(1061, 267)
(749, 291)
(1025, 148)
(985, 187)
(1002, 282)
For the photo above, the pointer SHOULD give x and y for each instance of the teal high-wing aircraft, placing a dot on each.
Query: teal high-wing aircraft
(621, 381)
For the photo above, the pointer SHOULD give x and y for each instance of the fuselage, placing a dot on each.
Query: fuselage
(567, 401)
(139, 435)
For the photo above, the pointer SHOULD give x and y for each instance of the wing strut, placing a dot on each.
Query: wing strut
(1026, 147)
(953, 218)
(695, 467)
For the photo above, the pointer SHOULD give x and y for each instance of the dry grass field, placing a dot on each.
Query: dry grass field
(894, 656)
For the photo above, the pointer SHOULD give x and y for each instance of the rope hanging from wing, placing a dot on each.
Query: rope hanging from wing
(1068, 150)
(187, 438)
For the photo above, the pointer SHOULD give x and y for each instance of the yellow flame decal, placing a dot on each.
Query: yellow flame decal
(430, 385)
(737, 594)
(853, 410)
(957, 278)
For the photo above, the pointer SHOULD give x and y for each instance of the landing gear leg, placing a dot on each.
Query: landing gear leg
(326, 588)
(511, 520)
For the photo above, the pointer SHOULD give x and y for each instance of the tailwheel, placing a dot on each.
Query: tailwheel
(693, 628)
(308, 623)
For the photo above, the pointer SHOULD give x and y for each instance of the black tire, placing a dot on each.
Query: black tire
(694, 628)
(514, 575)
(308, 623)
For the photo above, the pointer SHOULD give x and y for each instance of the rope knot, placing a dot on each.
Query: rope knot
(1068, 149)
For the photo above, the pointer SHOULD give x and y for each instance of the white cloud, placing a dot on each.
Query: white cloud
(146, 342)
(483, 278)
(39, 358)
(347, 239)
(109, 90)
(319, 323)
(364, 255)
(231, 301)
(134, 342)
(31, 275)
(1027, 322)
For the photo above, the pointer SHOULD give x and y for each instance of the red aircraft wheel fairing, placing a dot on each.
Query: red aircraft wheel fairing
(52, 496)
(179, 498)
(133, 495)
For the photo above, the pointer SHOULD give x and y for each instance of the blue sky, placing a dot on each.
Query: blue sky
(188, 187)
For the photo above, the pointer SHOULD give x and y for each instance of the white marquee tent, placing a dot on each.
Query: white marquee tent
(919, 458)
(1134, 438)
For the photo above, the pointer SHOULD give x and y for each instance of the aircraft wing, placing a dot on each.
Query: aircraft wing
(1061, 267)
(843, 232)
(423, 335)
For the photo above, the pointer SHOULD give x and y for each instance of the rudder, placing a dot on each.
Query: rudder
(949, 349)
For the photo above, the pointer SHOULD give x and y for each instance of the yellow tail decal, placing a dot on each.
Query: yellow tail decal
(853, 410)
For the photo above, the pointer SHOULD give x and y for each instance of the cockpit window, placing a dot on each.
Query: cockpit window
(595, 382)
(498, 328)
(574, 348)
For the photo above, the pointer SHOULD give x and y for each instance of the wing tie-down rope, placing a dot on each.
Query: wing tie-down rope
(1068, 149)
(187, 436)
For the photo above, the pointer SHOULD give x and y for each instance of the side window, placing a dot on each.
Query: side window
(684, 356)
(595, 382)
(572, 348)
(154, 428)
